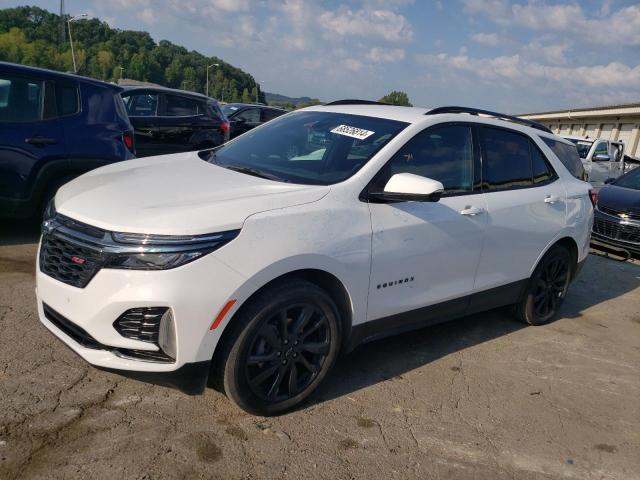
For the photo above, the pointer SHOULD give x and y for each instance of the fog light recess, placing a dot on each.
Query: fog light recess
(167, 334)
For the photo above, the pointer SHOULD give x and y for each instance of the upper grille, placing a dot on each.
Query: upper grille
(618, 213)
(616, 231)
(67, 261)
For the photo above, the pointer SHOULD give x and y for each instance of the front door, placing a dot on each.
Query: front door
(425, 253)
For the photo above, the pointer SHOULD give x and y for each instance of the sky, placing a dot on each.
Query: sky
(513, 56)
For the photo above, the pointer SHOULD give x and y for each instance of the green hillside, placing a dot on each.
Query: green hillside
(31, 36)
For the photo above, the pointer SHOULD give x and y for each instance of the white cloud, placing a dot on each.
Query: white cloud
(148, 16)
(485, 38)
(515, 70)
(230, 5)
(620, 27)
(385, 55)
(366, 23)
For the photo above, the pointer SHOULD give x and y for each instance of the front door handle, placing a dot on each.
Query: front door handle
(40, 141)
(471, 211)
(550, 199)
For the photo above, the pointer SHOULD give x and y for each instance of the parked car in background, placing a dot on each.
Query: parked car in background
(245, 116)
(170, 121)
(252, 268)
(54, 127)
(602, 159)
(617, 214)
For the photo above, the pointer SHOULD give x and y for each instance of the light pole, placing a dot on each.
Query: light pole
(212, 65)
(73, 55)
(121, 72)
(257, 88)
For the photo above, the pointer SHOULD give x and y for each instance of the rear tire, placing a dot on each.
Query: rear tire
(282, 346)
(547, 287)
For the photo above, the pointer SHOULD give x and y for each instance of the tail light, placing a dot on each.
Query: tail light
(593, 195)
(225, 127)
(127, 139)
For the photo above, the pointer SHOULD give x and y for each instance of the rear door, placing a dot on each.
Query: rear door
(30, 134)
(526, 206)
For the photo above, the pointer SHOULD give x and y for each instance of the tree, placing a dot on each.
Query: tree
(246, 98)
(396, 98)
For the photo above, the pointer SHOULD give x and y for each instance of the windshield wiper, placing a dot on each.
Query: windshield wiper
(254, 171)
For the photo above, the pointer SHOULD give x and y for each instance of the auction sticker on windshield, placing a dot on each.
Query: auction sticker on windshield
(353, 132)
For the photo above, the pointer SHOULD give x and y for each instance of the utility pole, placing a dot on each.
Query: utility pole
(62, 29)
(121, 72)
(212, 65)
(73, 55)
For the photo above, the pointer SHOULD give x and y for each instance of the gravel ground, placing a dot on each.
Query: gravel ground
(479, 398)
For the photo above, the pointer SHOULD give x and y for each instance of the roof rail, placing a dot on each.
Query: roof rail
(500, 116)
(355, 102)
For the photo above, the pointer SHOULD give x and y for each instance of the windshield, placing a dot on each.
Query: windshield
(317, 148)
(583, 146)
(630, 180)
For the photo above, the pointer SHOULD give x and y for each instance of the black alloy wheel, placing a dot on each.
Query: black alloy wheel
(288, 352)
(547, 287)
(285, 342)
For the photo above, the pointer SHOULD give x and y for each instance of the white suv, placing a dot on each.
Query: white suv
(254, 265)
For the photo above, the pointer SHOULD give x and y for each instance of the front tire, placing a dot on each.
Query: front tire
(547, 287)
(284, 343)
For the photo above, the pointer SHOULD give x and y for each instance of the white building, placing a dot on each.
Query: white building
(615, 122)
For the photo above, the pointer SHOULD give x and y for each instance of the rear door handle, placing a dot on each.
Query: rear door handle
(40, 141)
(472, 211)
(551, 199)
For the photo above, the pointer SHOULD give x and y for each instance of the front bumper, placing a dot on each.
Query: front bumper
(616, 233)
(194, 292)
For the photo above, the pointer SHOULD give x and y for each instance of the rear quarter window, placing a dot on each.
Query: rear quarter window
(568, 155)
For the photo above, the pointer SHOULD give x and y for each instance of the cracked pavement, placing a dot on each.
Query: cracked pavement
(481, 397)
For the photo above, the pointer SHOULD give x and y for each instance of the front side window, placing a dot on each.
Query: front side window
(250, 115)
(316, 148)
(601, 148)
(21, 99)
(141, 105)
(443, 153)
(506, 160)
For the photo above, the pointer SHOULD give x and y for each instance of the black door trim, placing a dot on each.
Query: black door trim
(438, 313)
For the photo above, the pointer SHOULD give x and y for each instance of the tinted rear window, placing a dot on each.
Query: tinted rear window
(506, 160)
(67, 99)
(568, 155)
(180, 106)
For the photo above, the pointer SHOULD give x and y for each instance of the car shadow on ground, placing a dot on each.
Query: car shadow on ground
(392, 357)
(18, 232)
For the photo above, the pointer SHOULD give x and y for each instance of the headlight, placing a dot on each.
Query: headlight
(133, 251)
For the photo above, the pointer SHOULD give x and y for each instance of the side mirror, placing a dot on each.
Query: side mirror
(609, 181)
(602, 157)
(407, 187)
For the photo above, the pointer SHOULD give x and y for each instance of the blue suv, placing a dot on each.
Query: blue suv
(54, 127)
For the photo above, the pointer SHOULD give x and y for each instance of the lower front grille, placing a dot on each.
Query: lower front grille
(68, 262)
(82, 337)
(616, 231)
(74, 331)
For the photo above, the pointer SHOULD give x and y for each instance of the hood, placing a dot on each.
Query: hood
(620, 199)
(178, 194)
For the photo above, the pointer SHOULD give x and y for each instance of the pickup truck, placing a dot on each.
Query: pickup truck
(602, 159)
